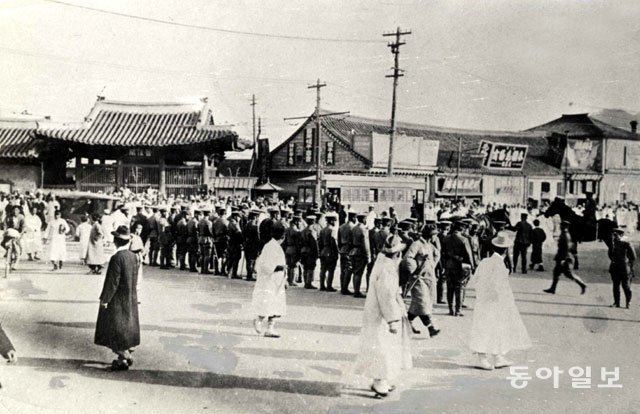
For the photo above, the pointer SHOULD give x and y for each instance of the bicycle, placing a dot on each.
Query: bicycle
(13, 252)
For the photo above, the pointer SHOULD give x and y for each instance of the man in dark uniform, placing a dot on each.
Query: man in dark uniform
(221, 241)
(309, 252)
(205, 241)
(458, 265)
(192, 240)
(373, 243)
(538, 236)
(328, 246)
(154, 233)
(360, 253)
(565, 258)
(234, 253)
(292, 248)
(182, 235)
(344, 246)
(251, 242)
(267, 224)
(522, 242)
(141, 219)
(623, 257)
(444, 227)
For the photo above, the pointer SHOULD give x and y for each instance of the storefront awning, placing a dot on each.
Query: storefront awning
(585, 177)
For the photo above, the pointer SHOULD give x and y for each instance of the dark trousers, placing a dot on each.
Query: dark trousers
(426, 319)
(565, 268)
(345, 272)
(220, 259)
(359, 264)
(233, 260)
(154, 248)
(292, 266)
(520, 249)
(205, 258)
(193, 257)
(327, 271)
(440, 284)
(250, 265)
(620, 276)
(454, 293)
(165, 257)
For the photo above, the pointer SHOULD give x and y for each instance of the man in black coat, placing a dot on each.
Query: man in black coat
(118, 326)
(522, 242)
(565, 259)
(252, 243)
(623, 257)
(458, 265)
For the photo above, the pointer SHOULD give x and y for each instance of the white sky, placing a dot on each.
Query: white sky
(470, 64)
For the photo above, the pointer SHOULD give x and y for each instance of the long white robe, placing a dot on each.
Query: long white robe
(497, 326)
(383, 354)
(57, 236)
(83, 233)
(269, 297)
(32, 238)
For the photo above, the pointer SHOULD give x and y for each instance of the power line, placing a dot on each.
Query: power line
(210, 28)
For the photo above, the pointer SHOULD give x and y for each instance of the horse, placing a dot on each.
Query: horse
(581, 229)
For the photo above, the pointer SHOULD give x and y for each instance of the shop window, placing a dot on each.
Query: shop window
(545, 187)
(305, 194)
(373, 195)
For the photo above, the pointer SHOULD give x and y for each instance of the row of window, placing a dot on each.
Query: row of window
(364, 195)
(307, 155)
(575, 187)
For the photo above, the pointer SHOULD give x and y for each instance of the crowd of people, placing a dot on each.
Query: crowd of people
(432, 258)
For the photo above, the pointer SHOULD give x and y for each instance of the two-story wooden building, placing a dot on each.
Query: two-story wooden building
(171, 147)
(354, 157)
(598, 158)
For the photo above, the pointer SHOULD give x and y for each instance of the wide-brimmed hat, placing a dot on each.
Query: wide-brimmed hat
(392, 245)
(503, 239)
(620, 229)
(122, 233)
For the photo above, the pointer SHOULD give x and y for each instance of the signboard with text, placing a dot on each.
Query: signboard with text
(501, 156)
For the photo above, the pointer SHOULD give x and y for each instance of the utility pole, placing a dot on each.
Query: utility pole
(395, 49)
(318, 192)
(458, 166)
(255, 143)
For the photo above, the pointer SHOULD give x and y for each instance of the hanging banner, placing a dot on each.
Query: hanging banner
(501, 156)
(582, 154)
(465, 186)
(409, 151)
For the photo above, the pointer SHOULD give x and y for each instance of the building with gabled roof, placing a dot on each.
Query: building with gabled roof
(425, 163)
(597, 157)
(19, 164)
(171, 147)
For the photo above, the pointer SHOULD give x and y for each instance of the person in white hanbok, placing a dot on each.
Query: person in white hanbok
(497, 327)
(83, 234)
(268, 299)
(32, 237)
(384, 338)
(56, 234)
(107, 227)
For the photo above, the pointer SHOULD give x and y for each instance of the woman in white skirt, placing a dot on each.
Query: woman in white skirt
(497, 326)
(268, 299)
(57, 236)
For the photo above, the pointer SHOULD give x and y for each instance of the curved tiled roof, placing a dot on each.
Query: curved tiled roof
(16, 139)
(142, 124)
(584, 126)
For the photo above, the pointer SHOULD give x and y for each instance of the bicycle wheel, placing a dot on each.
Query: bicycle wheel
(7, 262)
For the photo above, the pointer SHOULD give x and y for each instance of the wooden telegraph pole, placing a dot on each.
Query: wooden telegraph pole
(255, 143)
(397, 72)
(318, 192)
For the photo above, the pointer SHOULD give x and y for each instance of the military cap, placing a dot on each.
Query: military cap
(620, 229)
(412, 220)
(386, 220)
(499, 223)
(205, 209)
(405, 225)
(567, 222)
(331, 216)
(255, 212)
(311, 217)
(273, 209)
(162, 208)
(361, 215)
(377, 220)
(444, 223)
(352, 213)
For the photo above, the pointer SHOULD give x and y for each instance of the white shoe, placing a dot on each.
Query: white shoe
(501, 361)
(257, 325)
(380, 387)
(485, 364)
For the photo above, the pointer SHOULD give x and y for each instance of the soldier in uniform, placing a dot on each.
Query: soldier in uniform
(192, 240)
(251, 242)
(292, 248)
(328, 246)
(205, 241)
(234, 253)
(444, 227)
(221, 241)
(344, 246)
(622, 256)
(266, 225)
(141, 219)
(458, 263)
(182, 235)
(565, 259)
(165, 253)
(154, 246)
(373, 243)
(360, 253)
(309, 252)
